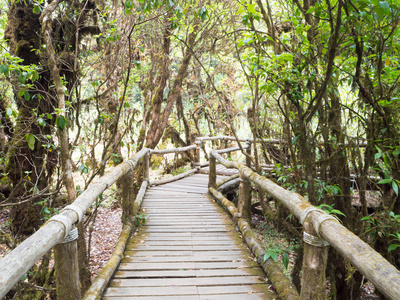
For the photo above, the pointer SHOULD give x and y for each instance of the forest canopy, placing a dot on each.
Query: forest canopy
(86, 84)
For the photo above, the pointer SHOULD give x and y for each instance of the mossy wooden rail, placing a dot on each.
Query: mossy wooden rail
(319, 228)
(316, 223)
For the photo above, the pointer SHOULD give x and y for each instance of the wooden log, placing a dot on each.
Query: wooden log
(174, 150)
(285, 289)
(139, 198)
(228, 205)
(175, 178)
(67, 271)
(222, 137)
(229, 186)
(146, 167)
(100, 283)
(384, 276)
(226, 180)
(15, 265)
(228, 150)
(198, 144)
(314, 264)
(369, 262)
(212, 176)
(127, 198)
(244, 203)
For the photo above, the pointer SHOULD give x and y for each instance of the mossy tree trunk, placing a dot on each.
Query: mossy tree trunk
(29, 166)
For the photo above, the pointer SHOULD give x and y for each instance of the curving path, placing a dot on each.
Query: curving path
(188, 249)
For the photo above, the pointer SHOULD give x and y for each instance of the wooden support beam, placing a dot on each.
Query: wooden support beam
(67, 271)
(128, 214)
(315, 256)
(212, 176)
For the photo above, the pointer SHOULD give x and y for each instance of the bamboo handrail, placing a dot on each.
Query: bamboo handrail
(174, 150)
(15, 265)
(369, 262)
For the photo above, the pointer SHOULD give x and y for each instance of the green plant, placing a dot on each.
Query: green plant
(330, 210)
(141, 219)
(273, 254)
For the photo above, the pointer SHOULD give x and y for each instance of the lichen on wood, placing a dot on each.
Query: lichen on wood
(285, 289)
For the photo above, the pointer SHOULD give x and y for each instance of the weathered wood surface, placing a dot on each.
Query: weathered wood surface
(370, 263)
(221, 170)
(188, 249)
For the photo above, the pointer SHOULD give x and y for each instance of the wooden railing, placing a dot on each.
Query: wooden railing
(320, 231)
(62, 228)
(316, 225)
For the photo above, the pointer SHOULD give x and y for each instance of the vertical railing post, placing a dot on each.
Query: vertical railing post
(67, 268)
(244, 203)
(128, 213)
(198, 144)
(146, 167)
(315, 255)
(248, 152)
(212, 175)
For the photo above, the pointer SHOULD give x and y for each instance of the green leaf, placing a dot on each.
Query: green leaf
(384, 181)
(252, 8)
(285, 260)
(37, 10)
(31, 141)
(311, 10)
(9, 112)
(378, 155)
(393, 247)
(4, 69)
(395, 187)
(27, 96)
(397, 151)
(61, 122)
(365, 218)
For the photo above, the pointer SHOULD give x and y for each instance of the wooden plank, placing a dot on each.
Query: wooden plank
(172, 242)
(199, 282)
(230, 254)
(131, 257)
(154, 291)
(174, 265)
(149, 247)
(141, 297)
(233, 289)
(245, 296)
(188, 273)
(186, 250)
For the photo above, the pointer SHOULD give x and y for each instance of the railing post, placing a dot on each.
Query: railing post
(248, 151)
(244, 203)
(315, 255)
(67, 268)
(128, 213)
(212, 175)
(146, 167)
(198, 144)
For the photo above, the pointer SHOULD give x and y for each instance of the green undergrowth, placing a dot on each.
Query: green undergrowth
(278, 246)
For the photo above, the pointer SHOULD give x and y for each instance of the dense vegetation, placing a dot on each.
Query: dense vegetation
(87, 83)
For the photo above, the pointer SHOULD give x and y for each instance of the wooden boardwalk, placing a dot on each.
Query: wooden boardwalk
(188, 249)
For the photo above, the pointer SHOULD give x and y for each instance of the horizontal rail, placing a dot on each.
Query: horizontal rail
(369, 262)
(171, 179)
(227, 150)
(17, 263)
(174, 150)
